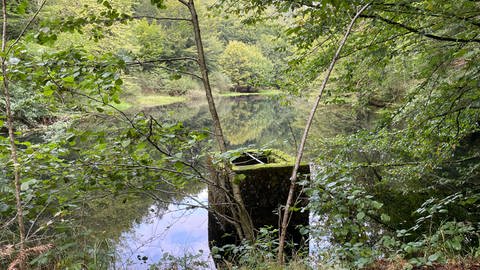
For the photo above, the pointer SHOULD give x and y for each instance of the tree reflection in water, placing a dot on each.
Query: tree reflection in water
(180, 230)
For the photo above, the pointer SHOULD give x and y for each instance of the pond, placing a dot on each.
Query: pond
(178, 232)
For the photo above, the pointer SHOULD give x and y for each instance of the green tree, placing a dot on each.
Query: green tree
(151, 38)
(245, 64)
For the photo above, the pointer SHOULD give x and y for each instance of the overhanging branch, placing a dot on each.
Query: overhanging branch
(418, 31)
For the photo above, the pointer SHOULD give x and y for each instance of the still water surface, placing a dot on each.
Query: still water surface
(178, 232)
(248, 121)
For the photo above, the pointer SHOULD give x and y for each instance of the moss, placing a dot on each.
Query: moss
(263, 166)
(264, 188)
(276, 159)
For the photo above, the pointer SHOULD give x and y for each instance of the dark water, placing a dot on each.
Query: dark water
(248, 121)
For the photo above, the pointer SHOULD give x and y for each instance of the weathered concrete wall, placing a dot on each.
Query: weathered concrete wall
(264, 188)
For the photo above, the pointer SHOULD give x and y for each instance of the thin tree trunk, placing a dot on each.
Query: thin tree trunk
(11, 135)
(245, 222)
(293, 177)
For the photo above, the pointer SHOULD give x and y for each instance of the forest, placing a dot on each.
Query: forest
(123, 124)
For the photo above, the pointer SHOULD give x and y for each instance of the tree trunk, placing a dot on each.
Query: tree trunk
(245, 225)
(293, 177)
(11, 135)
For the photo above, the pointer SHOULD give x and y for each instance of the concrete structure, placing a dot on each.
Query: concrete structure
(263, 177)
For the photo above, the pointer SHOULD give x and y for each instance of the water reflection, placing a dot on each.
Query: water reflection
(251, 121)
(260, 121)
(246, 120)
(180, 231)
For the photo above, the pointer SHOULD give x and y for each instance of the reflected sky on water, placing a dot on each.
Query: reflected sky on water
(178, 231)
(247, 121)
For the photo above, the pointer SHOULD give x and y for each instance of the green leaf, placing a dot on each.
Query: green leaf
(22, 7)
(26, 185)
(116, 100)
(105, 99)
(126, 143)
(179, 166)
(69, 79)
(294, 209)
(107, 4)
(48, 90)
(385, 218)
(434, 257)
(99, 109)
(361, 215)
(377, 205)
(470, 201)
(239, 178)
(456, 245)
(158, 3)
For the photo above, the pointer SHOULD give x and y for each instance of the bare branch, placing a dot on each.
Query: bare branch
(25, 28)
(11, 136)
(182, 72)
(183, 2)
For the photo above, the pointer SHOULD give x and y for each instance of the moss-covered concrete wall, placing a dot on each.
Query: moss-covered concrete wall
(264, 188)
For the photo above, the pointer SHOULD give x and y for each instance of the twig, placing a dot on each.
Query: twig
(11, 136)
(25, 28)
(256, 159)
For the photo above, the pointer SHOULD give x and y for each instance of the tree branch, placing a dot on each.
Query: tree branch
(183, 2)
(11, 135)
(182, 72)
(301, 148)
(408, 9)
(417, 31)
(26, 27)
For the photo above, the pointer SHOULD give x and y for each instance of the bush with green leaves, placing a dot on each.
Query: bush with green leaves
(245, 64)
(261, 254)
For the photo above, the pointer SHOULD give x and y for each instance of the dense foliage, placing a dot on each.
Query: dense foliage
(409, 185)
(245, 64)
(400, 184)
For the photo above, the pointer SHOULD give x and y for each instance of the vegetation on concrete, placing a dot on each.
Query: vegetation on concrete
(396, 187)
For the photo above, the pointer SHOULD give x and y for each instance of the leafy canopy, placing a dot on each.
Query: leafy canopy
(245, 64)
